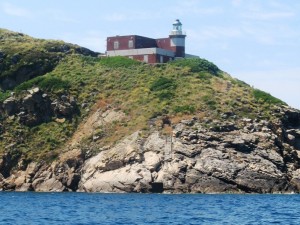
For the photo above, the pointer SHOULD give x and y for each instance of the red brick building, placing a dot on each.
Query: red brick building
(147, 49)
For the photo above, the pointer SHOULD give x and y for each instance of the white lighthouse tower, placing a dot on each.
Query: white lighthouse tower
(177, 39)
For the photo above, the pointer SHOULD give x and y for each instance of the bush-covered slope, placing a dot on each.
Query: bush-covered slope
(23, 58)
(67, 83)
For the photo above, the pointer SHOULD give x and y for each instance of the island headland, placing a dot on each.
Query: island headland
(73, 121)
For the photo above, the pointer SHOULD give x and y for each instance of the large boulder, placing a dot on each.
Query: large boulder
(125, 179)
(49, 185)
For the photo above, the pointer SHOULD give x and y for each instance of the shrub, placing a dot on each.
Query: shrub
(197, 65)
(165, 95)
(118, 61)
(210, 102)
(266, 97)
(164, 88)
(240, 83)
(28, 84)
(54, 83)
(46, 83)
(204, 76)
(163, 83)
(185, 109)
(4, 95)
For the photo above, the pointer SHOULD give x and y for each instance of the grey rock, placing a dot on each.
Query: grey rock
(64, 98)
(25, 187)
(291, 118)
(10, 106)
(261, 158)
(36, 107)
(50, 185)
(203, 183)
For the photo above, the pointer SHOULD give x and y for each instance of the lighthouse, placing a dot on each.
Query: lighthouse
(150, 50)
(177, 39)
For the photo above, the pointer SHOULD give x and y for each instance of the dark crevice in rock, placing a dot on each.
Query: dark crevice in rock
(157, 187)
(188, 154)
(9, 161)
(243, 188)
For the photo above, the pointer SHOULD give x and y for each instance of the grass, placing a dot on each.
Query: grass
(26, 57)
(185, 109)
(197, 65)
(4, 95)
(118, 61)
(266, 97)
(46, 83)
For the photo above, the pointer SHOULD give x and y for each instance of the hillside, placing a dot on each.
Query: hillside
(69, 114)
(23, 58)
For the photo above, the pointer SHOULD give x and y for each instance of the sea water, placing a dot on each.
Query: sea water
(84, 208)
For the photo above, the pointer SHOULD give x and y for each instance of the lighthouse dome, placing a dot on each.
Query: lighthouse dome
(177, 25)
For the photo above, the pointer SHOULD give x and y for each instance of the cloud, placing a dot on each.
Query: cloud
(209, 33)
(269, 33)
(267, 10)
(59, 15)
(13, 10)
(268, 15)
(115, 17)
(177, 9)
(184, 8)
(131, 16)
(236, 3)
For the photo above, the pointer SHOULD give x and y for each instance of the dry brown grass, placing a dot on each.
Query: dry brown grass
(178, 118)
(220, 85)
(167, 130)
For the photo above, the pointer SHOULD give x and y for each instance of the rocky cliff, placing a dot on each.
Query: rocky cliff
(116, 125)
(249, 156)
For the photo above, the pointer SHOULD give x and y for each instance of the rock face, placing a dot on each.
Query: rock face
(36, 107)
(61, 175)
(249, 156)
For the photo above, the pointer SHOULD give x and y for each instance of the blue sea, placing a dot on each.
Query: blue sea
(83, 208)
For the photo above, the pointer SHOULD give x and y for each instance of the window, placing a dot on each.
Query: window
(161, 59)
(116, 44)
(130, 44)
(146, 58)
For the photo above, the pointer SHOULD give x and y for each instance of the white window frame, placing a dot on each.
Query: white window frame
(130, 44)
(116, 44)
(146, 58)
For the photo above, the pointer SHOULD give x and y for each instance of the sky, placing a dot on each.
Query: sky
(257, 41)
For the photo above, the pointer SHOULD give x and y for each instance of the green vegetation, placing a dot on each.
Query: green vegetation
(164, 87)
(4, 95)
(185, 109)
(118, 61)
(197, 65)
(266, 97)
(163, 83)
(23, 58)
(188, 87)
(46, 83)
